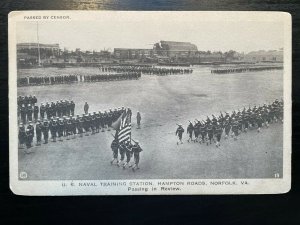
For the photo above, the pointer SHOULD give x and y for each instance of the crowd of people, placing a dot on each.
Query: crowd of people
(246, 69)
(67, 126)
(146, 70)
(68, 79)
(126, 149)
(29, 112)
(211, 129)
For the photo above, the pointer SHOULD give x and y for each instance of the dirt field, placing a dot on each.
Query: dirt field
(163, 102)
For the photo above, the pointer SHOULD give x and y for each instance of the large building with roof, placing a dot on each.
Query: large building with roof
(175, 49)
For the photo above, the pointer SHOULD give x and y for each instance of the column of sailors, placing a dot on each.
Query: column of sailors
(68, 79)
(245, 69)
(67, 126)
(232, 125)
(145, 70)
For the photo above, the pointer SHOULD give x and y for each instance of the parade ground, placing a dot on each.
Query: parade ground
(162, 101)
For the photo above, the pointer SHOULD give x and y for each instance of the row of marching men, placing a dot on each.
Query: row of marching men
(233, 124)
(126, 148)
(145, 70)
(68, 127)
(54, 109)
(68, 79)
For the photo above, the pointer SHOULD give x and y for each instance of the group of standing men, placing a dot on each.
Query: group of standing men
(211, 129)
(29, 111)
(68, 126)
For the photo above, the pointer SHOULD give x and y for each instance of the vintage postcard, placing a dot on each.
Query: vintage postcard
(149, 103)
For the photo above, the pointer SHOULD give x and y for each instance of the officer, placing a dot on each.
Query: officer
(35, 111)
(86, 108)
(179, 133)
(45, 130)
(136, 149)
(38, 131)
(138, 119)
(114, 147)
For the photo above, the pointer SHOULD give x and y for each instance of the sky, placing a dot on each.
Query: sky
(245, 36)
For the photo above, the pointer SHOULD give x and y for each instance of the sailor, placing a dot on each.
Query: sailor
(42, 110)
(179, 133)
(38, 131)
(122, 150)
(190, 130)
(136, 149)
(114, 147)
(35, 111)
(227, 126)
(22, 135)
(45, 130)
(210, 133)
(60, 129)
(218, 131)
(128, 154)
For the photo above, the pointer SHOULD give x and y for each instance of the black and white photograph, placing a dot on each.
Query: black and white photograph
(122, 103)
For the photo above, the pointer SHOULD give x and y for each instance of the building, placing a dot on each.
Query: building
(264, 56)
(32, 49)
(132, 53)
(174, 49)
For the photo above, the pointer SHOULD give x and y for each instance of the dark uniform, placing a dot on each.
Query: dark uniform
(38, 131)
(86, 108)
(128, 154)
(136, 149)
(179, 133)
(22, 135)
(138, 120)
(114, 148)
(45, 130)
(190, 130)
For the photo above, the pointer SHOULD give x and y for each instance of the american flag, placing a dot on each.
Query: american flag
(124, 133)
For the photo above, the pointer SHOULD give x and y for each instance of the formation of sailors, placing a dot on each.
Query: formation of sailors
(26, 100)
(32, 112)
(68, 79)
(145, 70)
(67, 126)
(233, 124)
(126, 149)
(245, 69)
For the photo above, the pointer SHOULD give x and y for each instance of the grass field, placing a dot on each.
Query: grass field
(163, 102)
